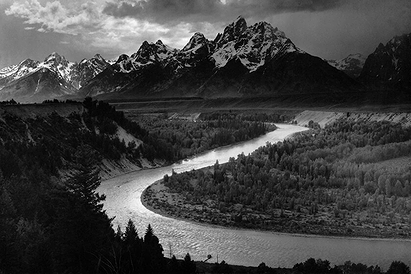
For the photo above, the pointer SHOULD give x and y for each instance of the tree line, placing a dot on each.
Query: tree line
(338, 167)
(175, 140)
(51, 225)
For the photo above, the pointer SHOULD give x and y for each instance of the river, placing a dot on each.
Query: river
(237, 246)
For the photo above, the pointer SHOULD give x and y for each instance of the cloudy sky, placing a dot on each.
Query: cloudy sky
(78, 29)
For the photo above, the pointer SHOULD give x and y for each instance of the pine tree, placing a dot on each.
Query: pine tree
(174, 266)
(133, 248)
(188, 266)
(153, 259)
(83, 232)
(398, 267)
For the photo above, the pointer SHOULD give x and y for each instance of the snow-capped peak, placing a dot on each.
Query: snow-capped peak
(57, 63)
(98, 57)
(232, 31)
(148, 53)
(71, 74)
(55, 59)
(16, 71)
(351, 65)
(122, 57)
(252, 45)
(196, 41)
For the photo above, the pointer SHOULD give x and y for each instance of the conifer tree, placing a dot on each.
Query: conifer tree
(153, 259)
(133, 248)
(83, 232)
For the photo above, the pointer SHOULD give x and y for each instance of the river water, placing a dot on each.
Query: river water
(237, 246)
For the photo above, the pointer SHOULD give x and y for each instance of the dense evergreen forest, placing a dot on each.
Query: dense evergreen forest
(50, 225)
(346, 179)
(178, 139)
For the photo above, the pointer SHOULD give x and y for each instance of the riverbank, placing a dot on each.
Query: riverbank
(160, 200)
(123, 201)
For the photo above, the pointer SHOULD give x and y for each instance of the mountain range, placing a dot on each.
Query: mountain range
(33, 81)
(242, 61)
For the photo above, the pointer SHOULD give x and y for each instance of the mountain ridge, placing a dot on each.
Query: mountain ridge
(389, 66)
(54, 77)
(224, 67)
(242, 61)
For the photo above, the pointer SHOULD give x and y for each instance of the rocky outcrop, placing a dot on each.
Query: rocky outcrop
(389, 66)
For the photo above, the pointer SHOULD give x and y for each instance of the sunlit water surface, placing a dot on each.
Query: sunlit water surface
(237, 246)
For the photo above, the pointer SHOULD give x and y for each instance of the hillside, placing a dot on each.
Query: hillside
(59, 129)
(324, 118)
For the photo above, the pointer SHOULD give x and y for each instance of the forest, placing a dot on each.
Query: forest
(51, 218)
(50, 223)
(61, 227)
(177, 139)
(346, 179)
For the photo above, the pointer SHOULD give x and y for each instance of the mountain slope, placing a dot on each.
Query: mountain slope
(389, 66)
(256, 60)
(42, 84)
(352, 64)
(34, 81)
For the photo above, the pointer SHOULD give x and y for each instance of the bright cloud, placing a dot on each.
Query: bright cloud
(54, 16)
(94, 28)
(327, 28)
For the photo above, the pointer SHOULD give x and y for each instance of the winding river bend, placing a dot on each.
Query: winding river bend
(237, 246)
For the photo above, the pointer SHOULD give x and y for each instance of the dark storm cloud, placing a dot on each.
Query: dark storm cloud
(331, 29)
(193, 10)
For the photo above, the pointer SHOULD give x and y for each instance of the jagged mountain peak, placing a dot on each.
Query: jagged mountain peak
(239, 24)
(389, 66)
(54, 76)
(98, 57)
(95, 60)
(88, 69)
(160, 43)
(399, 41)
(53, 55)
(148, 50)
(267, 29)
(355, 55)
(241, 61)
(122, 58)
(197, 40)
(14, 72)
(232, 31)
(55, 58)
(253, 45)
(28, 62)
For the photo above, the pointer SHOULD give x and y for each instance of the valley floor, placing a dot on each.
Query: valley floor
(160, 200)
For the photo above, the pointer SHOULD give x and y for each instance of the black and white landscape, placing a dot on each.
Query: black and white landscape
(205, 136)
(242, 61)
